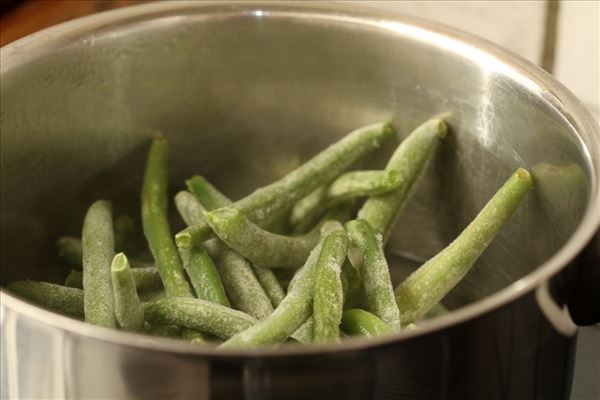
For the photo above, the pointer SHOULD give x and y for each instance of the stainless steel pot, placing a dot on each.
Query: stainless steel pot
(245, 92)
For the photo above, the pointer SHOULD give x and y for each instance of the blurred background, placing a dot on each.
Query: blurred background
(563, 37)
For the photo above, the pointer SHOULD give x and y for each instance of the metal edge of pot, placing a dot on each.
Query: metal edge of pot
(479, 50)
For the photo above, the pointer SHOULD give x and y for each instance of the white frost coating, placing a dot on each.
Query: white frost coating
(368, 257)
(190, 209)
(201, 315)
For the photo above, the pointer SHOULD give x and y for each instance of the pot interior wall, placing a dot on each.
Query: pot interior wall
(244, 98)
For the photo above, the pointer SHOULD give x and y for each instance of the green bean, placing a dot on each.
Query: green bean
(203, 275)
(328, 294)
(263, 248)
(261, 205)
(410, 159)
(145, 278)
(124, 234)
(74, 279)
(98, 250)
(156, 224)
(426, 286)
(243, 288)
(304, 334)
(270, 284)
(293, 311)
(208, 195)
(198, 314)
(360, 322)
(69, 248)
(61, 299)
(190, 209)
(169, 331)
(157, 231)
(348, 185)
(241, 285)
(128, 308)
(366, 254)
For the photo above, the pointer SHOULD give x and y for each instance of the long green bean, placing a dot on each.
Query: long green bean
(128, 308)
(360, 322)
(208, 195)
(410, 159)
(156, 227)
(261, 247)
(328, 295)
(145, 278)
(366, 254)
(189, 208)
(261, 205)
(198, 314)
(98, 249)
(270, 284)
(293, 311)
(425, 287)
(204, 276)
(168, 331)
(347, 185)
(61, 299)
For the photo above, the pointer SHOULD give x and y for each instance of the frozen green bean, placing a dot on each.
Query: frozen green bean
(261, 205)
(410, 159)
(366, 254)
(347, 185)
(304, 334)
(190, 209)
(198, 314)
(425, 287)
(270, 284)
(61, 299)
(152, 295)
(145, 278)
(156, 223)
(263, 248)
(328, 294)
(204, 276)
(242, 286)
(128, 308)
(293, 311)
(208, 195)
(360, 322)
(98, 250)
(69, 248)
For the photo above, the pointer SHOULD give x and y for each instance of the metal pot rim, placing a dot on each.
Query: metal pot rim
(469, 46)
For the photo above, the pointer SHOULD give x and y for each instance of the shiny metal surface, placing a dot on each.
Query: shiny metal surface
(245, 92)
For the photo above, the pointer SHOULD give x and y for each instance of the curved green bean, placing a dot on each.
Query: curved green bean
(189, 208)
(145, 278)
(263, 248)
(293, 311)
(265, 203)
(98, 250)
(69, 248)
(410, 159)
(304, 334)
(425, 287)
(360, 322)
(128, 308)
(169, 331)
(328, 295)
(366, 254)
(198, 314)
(204, 276)
(348, 185)
(61, 299)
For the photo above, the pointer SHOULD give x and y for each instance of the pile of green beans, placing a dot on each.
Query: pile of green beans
(228, 280)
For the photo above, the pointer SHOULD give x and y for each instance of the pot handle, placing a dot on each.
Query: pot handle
(584, 298)
(558, 316)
